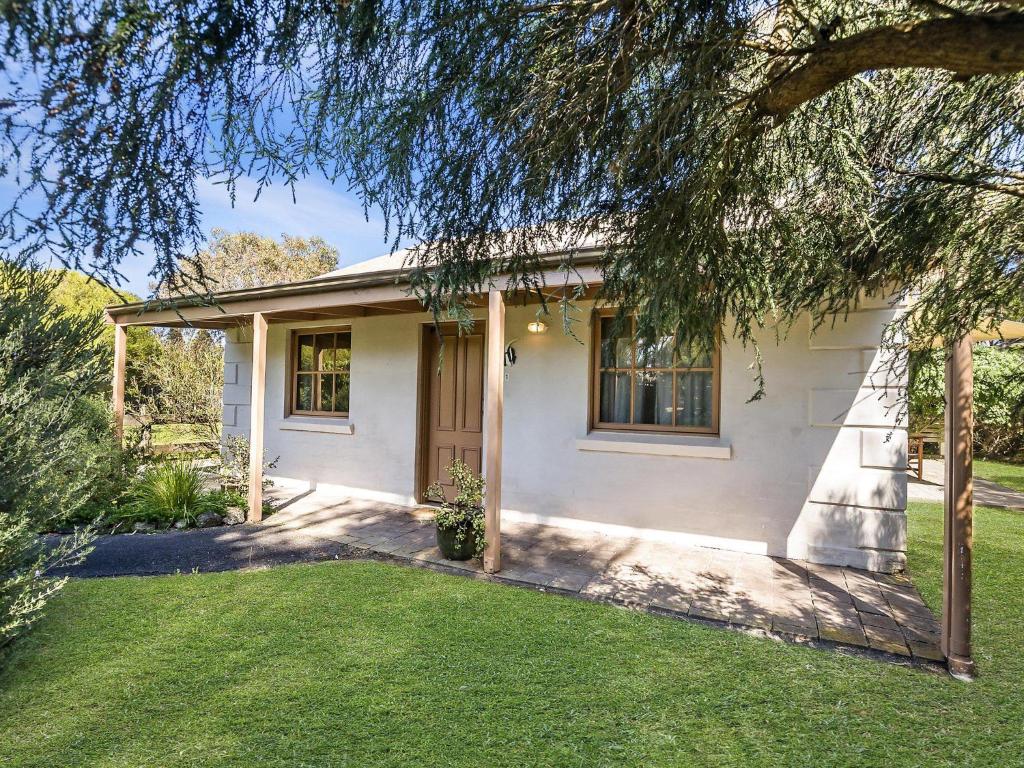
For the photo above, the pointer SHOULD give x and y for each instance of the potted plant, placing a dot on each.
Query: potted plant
(460, 523)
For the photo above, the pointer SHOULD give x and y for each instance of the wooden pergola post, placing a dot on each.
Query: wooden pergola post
(117, 396)
(495, 408)
(256, 409)
(959, 510)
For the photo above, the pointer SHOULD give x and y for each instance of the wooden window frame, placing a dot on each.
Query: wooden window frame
(595, 388)
(291, 408)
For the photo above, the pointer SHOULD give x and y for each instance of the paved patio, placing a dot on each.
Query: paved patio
(841, 605)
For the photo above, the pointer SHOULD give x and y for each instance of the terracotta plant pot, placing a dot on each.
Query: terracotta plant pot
(453, 550)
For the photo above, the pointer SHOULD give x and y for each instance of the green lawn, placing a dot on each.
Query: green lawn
(179, 434)
(367, 664)
(1002, 472)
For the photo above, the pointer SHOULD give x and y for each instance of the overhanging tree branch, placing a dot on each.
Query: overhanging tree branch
(549, 121)
(1015, 190)
(969, 45)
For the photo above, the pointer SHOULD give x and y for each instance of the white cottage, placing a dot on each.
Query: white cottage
(339, 378)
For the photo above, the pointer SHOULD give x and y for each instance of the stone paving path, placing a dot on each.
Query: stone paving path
(841, 605)
(986, 493)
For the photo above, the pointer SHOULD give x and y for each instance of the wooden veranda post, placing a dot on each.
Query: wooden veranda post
(117, 397)
(256, 409)
(495, 408)
(959, 510)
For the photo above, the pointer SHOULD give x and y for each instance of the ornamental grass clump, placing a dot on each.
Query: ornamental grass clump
(460, 522)
(166, 492)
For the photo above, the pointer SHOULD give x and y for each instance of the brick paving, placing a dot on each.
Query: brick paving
(841, 605)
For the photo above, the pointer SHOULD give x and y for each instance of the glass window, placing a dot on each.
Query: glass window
(652, 386)
(320, 383)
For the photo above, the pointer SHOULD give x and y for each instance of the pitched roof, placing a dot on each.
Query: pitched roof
(546, 243)
(389, 269)
(389, 262)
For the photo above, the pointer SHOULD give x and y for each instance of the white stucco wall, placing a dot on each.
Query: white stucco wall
(813, 470)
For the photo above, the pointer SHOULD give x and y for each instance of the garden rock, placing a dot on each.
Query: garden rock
(209, 520)
(234, 516)
(143, 528)
(179, 524)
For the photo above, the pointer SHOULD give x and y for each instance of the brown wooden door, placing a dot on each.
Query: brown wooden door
(454, 426)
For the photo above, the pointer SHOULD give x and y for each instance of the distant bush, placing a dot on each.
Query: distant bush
(998, 397)
(184, 384)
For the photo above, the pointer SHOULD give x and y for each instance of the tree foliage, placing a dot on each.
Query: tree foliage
(744, 162)
(184, 383)
(81, 295)
(998, 397)
(50, 452)
(233, 260)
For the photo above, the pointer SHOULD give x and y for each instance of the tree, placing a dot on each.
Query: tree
(50, 449)
(87, 297)
(998, 397)
(188, 380)
(747, 162)
(233, 260)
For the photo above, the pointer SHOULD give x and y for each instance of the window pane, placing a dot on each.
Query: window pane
(653, 404)
(305, 353)
(325, 351)
(614, 398)
(341, 393)
(657, 354)
(326, 392)
(694, 399)
(692, 359)
(304, 391)
(616, 351)
(343, 352)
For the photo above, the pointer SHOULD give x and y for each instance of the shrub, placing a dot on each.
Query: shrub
(49, 362)
(464, 514)
(234, 463)
(998, 397)
(117, 465)
(220, 501)
(167, 491)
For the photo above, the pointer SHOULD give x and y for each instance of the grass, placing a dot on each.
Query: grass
(363, 664)
(179, 434)
(1002, 472)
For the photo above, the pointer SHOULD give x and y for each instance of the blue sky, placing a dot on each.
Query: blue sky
(331, 212)
(319, 208)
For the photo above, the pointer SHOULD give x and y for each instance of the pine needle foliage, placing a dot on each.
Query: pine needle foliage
(747, 162)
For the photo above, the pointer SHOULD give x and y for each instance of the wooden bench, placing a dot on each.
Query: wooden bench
(915, 449)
